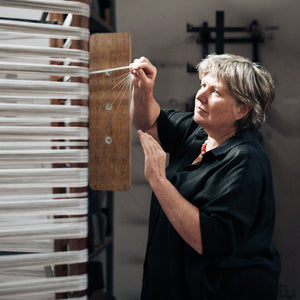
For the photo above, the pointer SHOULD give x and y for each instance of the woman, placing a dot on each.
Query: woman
(212, 210)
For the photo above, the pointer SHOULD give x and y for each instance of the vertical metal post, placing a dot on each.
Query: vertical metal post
(110, 248)
(256, 37)
(255, 57)
(205, 37)
(113, 14)
(220, 32)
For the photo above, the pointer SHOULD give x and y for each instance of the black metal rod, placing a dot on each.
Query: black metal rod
(44, 17)
(220, 32)
(255, 56)
(205, 37)
(235, 40)
(110, 248)
(190, 28)
(28, 20)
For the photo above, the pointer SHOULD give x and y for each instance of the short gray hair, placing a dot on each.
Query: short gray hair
(248, 82)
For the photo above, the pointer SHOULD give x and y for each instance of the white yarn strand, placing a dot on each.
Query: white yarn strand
(44, 156)
(59, 6)
(30, 245)
(42, 205)
(34, 114)
(44, 30)
(13, 145)
(43, 285)
(37, 297)
(41, 133)
(109, 70)
(47, 52)
(36, 178)
(48, 89)
(42, 259)
(64, 228)
(23, 68)
(53, 111)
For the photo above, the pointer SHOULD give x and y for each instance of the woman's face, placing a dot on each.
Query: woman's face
(215, 109)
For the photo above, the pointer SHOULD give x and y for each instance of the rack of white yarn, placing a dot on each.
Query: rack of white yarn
(30, 145)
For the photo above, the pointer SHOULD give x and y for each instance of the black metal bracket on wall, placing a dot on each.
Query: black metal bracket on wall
(205, 38)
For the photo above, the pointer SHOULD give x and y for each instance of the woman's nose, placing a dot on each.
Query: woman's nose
(201, 95)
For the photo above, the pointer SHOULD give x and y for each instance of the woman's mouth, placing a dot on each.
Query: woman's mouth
(200, 110)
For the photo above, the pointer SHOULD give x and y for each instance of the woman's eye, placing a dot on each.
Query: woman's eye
(216, 92)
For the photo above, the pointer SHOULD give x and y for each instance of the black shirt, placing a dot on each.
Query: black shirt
(232, 187)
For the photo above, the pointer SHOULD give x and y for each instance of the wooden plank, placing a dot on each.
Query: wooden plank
(109, 121)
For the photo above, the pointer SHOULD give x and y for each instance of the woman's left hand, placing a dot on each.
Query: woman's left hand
(155, 157)
(182, 214)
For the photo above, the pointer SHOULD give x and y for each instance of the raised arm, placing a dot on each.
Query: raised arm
(144, 113)
(144, 110)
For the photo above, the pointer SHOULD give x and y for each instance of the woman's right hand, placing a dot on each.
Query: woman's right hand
(144, 110)
(144, 74)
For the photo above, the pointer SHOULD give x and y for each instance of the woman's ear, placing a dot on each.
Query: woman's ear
(242, 110)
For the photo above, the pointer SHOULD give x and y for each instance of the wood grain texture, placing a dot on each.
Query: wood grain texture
(109, 121)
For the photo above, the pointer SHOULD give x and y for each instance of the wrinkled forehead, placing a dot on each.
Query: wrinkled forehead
(213, 78)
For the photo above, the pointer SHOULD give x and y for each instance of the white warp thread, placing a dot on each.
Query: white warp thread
(44, 30)
(43, 285)
(46, 52)
(59, 6)
(37, 297)
(44, 177)
(12, 145)
(52, 112)
(11, 67)
(41, 133)
(65, 228)
(48, 89)
(42, 259)
(30, 245)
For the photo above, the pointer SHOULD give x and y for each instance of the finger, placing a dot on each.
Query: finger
(142, 139)
(135, 64)
(145, 137)
(149, 138)
(147, 68)
(133, 67)
(143, 63)
(145, 142)
(142, 73)
(138, 72)
(150, 145)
